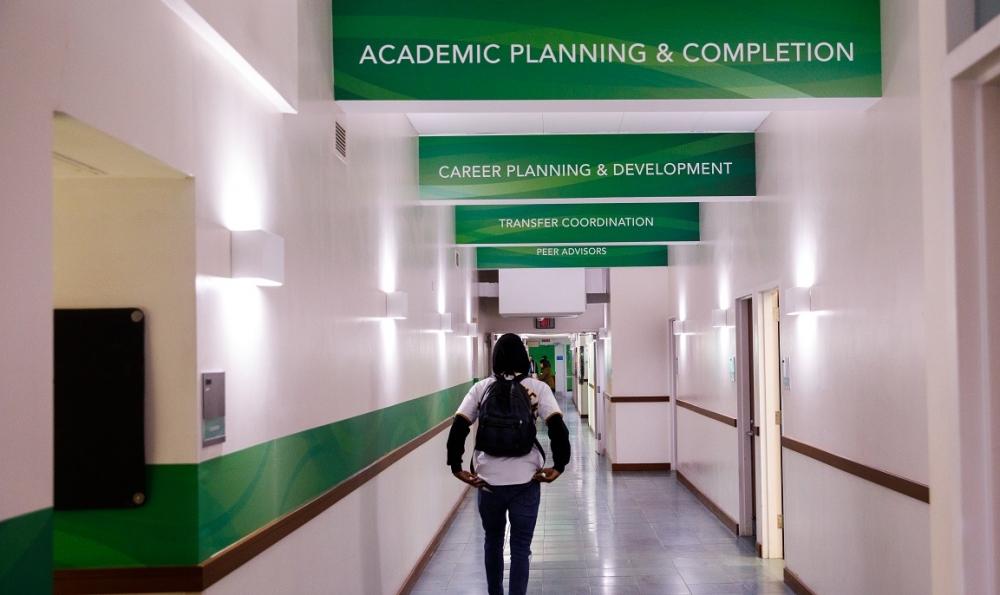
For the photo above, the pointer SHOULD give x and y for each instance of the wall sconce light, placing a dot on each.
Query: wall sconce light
(798, 300)
(723, 318)
(258, 257)
(472, 329)
(396, 305)
(679, 327)
(445, 324)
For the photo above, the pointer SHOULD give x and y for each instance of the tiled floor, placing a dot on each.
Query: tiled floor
(603, 532)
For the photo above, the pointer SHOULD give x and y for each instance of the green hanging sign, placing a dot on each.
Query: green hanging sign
(597, 257)
(455, 169)
(635, 223)
(598, 49)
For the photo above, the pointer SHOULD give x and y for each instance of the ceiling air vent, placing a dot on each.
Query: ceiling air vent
(341, 141)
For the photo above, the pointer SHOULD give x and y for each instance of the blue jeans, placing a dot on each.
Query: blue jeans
(520, 503)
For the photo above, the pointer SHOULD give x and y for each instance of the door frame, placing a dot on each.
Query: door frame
(672, 370)
(746, 418)
(964, 373)
(767, 384)
(599, 383)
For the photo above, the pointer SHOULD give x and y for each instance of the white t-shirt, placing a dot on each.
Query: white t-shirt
(503, 471)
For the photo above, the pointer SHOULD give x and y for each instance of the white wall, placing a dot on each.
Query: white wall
(638, 432)
(130, 243)
(837, 210)
(641, 432)
(355, 547)
(351, 231)
(298, 356)
(638, 316)
(27, 68)
(264, 32)
(706, 454)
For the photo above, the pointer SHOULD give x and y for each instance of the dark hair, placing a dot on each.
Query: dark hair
(509, 355)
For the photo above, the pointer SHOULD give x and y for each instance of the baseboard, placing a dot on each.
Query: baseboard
(727, 520)
(583, 416)
(640, 466)
(796, 585)
(414, 576)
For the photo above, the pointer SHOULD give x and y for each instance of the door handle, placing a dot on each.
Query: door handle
(750, 433)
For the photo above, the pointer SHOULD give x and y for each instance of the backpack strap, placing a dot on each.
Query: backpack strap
(538, 444)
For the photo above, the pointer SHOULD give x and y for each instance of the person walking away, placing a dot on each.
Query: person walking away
(508, 462)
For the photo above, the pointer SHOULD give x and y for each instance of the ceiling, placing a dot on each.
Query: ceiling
(586, 122)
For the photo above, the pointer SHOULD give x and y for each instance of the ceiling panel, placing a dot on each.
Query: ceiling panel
(582, 122)
(647, 122)
(504, 123)
(731, 121)
(585, 122)
(438, 123)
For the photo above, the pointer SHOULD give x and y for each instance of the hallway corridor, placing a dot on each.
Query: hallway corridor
(602, 532)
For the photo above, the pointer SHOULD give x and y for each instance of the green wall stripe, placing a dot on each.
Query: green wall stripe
(194, 511)
(163, 531)
(26, 554)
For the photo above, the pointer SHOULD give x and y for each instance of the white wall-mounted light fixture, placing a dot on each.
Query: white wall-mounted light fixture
(397, 305)
(602, 333)
(258, 257)
(445, 322)
(679, 327)
(471, 329)
(723, 318)
(798, 300)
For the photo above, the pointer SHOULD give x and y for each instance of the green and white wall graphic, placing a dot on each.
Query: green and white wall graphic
(195, 511)
(598, 49)
(629, 223)
(26, 554)
(456, 169)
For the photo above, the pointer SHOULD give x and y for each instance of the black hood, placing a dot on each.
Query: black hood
(509, 355)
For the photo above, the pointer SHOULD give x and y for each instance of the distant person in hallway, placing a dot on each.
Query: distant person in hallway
(509, 485)
(545, 373)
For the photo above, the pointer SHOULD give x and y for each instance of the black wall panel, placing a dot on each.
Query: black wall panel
(100, 455)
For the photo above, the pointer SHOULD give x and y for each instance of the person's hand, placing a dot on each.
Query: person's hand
(547, 475)
(471, 479)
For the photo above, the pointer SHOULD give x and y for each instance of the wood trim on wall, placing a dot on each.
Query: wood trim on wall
(729, 421)
(414, 576)
(640, 466)
(166, 579)
(159, 579)
(727, 520)
(633, 399)
(895, 483)
(796, 585)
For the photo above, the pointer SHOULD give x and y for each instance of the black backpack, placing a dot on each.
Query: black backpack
(506, 421)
